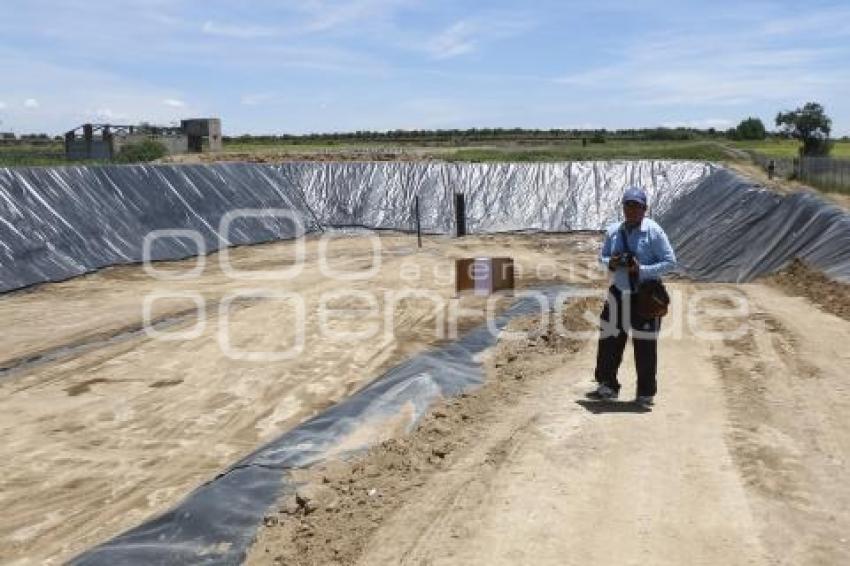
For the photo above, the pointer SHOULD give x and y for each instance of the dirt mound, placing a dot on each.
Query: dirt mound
(800, 280)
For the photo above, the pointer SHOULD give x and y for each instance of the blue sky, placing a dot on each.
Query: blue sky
(314, 65)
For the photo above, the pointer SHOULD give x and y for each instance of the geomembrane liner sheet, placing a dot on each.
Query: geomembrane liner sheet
(731, 229)
(59, 222)
(216, 523)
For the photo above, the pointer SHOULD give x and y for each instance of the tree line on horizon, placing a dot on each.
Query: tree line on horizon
(808, 124)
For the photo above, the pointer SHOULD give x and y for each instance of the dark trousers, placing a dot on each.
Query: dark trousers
(612, 342)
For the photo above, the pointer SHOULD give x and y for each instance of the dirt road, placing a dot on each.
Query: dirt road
(743, 460)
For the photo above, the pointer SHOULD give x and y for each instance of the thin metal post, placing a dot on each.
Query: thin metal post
(418, 224)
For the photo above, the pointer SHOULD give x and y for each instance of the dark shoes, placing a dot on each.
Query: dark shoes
(603, 393)
(645, 400)
(606, 393)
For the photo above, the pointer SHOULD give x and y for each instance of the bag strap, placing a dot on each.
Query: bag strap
(628, 250)
(626, 247)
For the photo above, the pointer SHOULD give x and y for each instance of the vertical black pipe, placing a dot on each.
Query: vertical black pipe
(460, 215)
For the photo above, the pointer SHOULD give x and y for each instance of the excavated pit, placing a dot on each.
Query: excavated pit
(80, 376)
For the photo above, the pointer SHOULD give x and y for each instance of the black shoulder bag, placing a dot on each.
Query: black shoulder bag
(653, 301)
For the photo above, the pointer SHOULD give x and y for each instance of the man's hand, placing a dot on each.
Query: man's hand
(634, 266)
(614, 262)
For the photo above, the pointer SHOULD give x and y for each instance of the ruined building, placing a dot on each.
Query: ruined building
(104, 141)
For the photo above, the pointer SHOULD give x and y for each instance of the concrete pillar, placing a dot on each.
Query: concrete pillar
(69, 140)
(88, 134)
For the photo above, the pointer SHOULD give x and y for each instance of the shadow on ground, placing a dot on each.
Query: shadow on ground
(599, 407)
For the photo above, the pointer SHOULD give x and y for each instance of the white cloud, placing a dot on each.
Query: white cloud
(713, 69)
(468, 35)
(317, 16)
(2, 105)
(107, 114)
(31, 103)
(174, 103)
(456, 40)
(270, 58)
(827, 22)
(237, 32)
(327, 15)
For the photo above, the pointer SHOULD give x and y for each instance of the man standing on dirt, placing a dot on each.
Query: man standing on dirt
(635, 250)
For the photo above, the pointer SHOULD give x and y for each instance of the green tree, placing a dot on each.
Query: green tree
(144, 151)
(750, 129)
(810, 125)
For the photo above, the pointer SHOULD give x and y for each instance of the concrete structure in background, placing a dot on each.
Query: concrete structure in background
(200, 129)
(104, 141)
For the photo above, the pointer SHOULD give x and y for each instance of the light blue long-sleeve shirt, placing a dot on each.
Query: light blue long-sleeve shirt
(650, 246)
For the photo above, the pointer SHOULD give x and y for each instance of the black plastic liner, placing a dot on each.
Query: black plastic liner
(217, 522)
(500, 197)
(60, 222)
(730, 229)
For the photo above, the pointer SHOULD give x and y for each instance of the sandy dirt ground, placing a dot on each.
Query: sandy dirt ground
(743, 460)
(103, 425)
(799, 280)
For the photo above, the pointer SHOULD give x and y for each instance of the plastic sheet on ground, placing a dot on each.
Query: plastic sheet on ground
(216, 523)
(730, 229)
